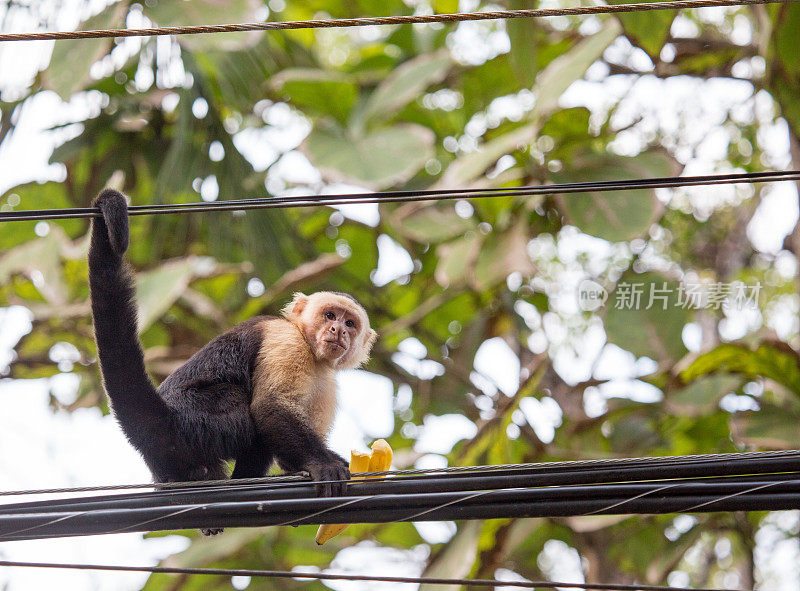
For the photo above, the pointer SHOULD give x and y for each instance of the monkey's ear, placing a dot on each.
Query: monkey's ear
(294, 308)
(371, 336)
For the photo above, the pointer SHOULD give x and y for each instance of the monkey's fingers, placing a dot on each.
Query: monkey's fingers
(326, 473)
(211, 531)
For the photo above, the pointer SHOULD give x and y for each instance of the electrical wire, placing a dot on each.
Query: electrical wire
(753, 462)
(409, 196)
(723, 482)
(275, 574)
(385, 20)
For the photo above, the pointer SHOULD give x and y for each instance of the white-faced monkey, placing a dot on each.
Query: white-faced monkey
(264, 391)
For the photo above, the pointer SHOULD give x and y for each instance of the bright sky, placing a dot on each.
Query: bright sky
(46, 449)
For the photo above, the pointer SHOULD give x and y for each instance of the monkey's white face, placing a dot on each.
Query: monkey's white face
(336, 327)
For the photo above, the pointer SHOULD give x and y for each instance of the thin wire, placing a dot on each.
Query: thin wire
(276, 574)
(385, 20)
(408, 196)
(479, 470)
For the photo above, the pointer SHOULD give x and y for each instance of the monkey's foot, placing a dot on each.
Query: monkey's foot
(211, 531)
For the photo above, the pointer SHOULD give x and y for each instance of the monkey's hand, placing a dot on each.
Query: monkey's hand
(115, 216)
(328, 468)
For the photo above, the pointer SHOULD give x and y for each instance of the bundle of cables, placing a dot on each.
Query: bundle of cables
(675, 484)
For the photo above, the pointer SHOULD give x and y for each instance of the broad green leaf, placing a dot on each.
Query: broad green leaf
(430, 223)
(502, 255)
(472, 165)
(769, 427)
(318, 91)
(50, 195)
(648, 30)
(522, 34)
(206, 12)
(701, 396)
(550, 85)
(378, 159)
(68, 71)
(776, 361)
(456, 258)
(569, 67)
(405, 84)
(40, 261)
(614, 215)
(456, 560)
(159, 288)
(644, 317)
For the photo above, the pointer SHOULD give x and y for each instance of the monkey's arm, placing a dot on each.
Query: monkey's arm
(296, 446)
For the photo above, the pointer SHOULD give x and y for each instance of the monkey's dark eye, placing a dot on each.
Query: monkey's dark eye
(330, 315)
(349, 324)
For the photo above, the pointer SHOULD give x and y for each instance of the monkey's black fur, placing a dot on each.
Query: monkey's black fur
(202, 414)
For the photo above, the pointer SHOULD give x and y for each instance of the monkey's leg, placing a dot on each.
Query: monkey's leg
(297, 447)
(253, 463)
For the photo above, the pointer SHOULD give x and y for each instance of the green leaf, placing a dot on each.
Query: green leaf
(569, 67)
(159, 288)
(318, 91)
(471, 165)
(550, 85)
(377, 159)
(68, 71)
(650, 324)
(430, 223)
(776, 361)
(522, 34)
(405, 84)
(456, 258)
(502, 255)
(615, 216)
(648, 30)
(771, 427)
(39, 260)
(206, 12)
(701, 396)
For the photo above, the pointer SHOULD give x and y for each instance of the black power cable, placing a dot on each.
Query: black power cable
(763, 481)
(408, 196)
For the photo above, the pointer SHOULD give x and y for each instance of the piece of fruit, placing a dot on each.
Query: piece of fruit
(379, 460)
(359, 462)
(381, 457)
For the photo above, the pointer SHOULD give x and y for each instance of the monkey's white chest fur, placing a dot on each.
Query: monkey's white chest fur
(288, 376)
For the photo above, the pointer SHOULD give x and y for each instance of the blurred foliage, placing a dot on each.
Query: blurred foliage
(216, 117)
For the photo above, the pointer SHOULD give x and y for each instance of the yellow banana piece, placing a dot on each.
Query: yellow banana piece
(359, 462)
(379, 460)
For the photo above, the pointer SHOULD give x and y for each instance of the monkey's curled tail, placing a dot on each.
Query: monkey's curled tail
(134, 398)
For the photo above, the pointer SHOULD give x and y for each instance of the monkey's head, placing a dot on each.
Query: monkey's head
(335, 325)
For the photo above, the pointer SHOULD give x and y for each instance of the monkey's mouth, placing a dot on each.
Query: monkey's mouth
(338, 344)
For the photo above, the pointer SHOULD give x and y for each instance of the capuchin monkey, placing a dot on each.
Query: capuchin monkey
(264, 391)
